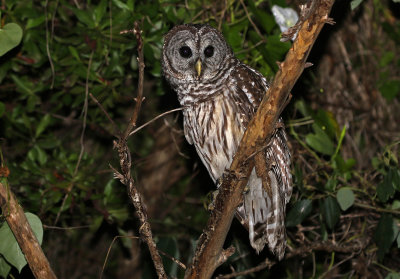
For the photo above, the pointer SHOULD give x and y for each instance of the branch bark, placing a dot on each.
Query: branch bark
(126, 162)
(209, 249)
(22, 231)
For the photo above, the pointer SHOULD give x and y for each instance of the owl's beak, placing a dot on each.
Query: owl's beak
(198, 67)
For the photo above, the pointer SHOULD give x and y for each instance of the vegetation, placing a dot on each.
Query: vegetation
(343, 123)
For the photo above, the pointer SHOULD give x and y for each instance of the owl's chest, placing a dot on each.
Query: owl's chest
(215, 128)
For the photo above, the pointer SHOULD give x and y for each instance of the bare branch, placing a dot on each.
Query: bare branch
(115, 128)
(154, 119)
(125, 161)
(139, 99)
(109, 250)
(259, 131)
(22, 231)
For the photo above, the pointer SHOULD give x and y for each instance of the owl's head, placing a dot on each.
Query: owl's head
(194, 53)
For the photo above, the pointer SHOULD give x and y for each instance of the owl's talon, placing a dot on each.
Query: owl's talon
(220, 180)
(232, 174)
(211, 198)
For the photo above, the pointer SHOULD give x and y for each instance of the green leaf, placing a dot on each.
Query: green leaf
(120, 214)
(320, 141)
(341, 137)
(331, 184)
(300, 210)
(390, 89)
(233, 34)
(327, 122)
(9, 247)
(393, 275)
(386, 58)
(386, 232)
(398, 240)
(37, 154)
(355, 3)
(44, 122)
(74, 53)
(84, 16)
(99, 11)
(266, 20)
(273, 51)
(33, 22)
(170, 246)
(385, 189)
(96, 223)
(395, 173)
(10, 37)
(345, 198)
(302, 107)
(23, 85)
(122, 5)
(331, 211)
(2, 109)
(343, 166)
(4, 268)
(395, 205)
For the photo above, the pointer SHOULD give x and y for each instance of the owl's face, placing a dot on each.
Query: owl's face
(193, 53)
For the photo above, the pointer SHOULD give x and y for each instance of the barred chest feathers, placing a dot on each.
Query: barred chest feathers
(215, 130)
(219, 96)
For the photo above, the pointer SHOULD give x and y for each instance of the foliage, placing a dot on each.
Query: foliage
(57, 143)
(9, 248)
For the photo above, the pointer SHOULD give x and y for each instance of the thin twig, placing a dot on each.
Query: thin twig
(154, 119)
(181, 265)
(109, 249)
(139, 99)
(115, 127)
(251, 21)
(125, 161)
(266, 264)
(335, 266)
(65, 229)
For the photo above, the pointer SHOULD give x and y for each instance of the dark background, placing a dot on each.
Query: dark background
(354, 83)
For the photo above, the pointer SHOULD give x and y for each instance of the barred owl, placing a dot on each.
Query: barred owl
(219, 95)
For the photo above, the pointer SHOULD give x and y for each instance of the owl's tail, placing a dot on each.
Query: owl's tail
(263, 216)
(263, 209)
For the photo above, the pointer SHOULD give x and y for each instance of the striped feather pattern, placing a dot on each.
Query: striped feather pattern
(216, 113)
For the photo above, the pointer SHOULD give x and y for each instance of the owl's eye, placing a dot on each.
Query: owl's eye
(185, 52)
(209, 51)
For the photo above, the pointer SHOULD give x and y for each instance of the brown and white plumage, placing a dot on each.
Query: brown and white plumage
(220, 95)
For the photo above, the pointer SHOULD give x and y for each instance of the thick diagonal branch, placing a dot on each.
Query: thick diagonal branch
(209, 248)
(24, 235)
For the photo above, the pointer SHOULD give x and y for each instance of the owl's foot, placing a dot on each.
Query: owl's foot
(232, 175)
(228, 174)
(220, 180)
(211, 196)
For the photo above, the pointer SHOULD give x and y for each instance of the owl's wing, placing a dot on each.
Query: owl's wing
(264, 205)
(186, 129)
(248, 88)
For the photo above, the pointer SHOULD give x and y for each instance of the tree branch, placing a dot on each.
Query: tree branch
(22, 231)
(126, 162)
(259, 131)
